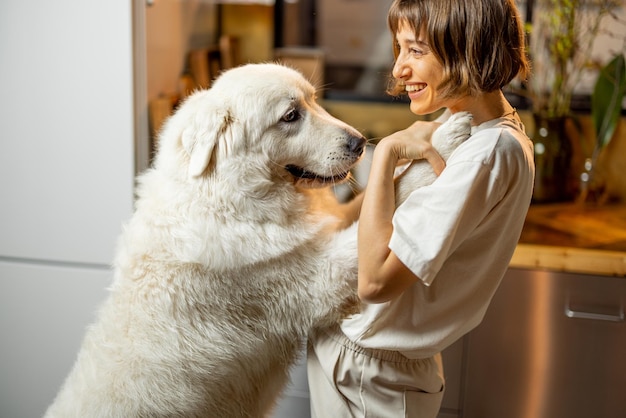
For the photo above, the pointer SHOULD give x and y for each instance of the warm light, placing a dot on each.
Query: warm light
(264, 2)
(537, 389)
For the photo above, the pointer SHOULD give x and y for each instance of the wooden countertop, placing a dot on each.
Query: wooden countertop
(574, 238)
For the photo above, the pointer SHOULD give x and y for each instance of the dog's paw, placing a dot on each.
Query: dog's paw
(445, 140)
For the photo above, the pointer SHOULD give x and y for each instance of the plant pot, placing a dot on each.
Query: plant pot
(592, 185)
(553, 160)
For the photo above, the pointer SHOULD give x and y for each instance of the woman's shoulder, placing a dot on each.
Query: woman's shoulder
(494, 140)
(503, 132)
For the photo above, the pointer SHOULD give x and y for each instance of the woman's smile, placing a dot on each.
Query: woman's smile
(414, 90)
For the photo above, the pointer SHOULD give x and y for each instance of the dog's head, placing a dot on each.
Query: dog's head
(261, 120)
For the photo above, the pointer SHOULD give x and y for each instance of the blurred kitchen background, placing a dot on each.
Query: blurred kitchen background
(86, 86)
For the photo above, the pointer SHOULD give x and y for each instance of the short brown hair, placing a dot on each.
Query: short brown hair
(480, 43)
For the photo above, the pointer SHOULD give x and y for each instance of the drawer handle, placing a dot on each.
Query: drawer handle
(570, 313)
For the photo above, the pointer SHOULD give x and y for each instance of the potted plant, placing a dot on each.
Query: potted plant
(562, 35)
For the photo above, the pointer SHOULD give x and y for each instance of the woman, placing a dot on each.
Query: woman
(428, 270)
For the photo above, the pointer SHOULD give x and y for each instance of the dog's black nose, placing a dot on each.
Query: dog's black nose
(356, 144)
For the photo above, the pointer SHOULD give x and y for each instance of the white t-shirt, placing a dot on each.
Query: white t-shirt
(458, 236)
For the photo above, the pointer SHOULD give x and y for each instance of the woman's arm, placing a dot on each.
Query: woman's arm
(382, 275)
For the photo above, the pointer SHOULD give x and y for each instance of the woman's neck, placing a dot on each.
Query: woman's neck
(484, 107)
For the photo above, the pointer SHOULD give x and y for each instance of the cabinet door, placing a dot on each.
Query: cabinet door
(67, 130)
(551, 345)
(44, 311)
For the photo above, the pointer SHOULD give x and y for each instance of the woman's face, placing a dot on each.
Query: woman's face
(420, 71)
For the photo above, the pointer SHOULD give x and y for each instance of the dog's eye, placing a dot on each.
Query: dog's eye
(291, 116)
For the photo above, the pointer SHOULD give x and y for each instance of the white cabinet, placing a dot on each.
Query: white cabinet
(43, 314)
(67, 128)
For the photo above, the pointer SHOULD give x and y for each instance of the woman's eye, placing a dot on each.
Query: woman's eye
(291, 116)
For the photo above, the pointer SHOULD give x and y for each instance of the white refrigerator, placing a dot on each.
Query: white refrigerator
(68, 154)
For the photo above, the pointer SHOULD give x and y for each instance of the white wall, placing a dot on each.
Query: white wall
(67, 162)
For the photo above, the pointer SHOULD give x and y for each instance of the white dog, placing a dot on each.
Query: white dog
(230, 259)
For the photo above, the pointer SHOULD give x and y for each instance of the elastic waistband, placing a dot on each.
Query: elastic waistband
(335, 334)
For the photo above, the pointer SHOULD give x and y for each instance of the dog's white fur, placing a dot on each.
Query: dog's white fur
(230, 258)
(456, 130)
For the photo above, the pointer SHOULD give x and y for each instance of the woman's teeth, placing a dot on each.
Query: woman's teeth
(414, 87)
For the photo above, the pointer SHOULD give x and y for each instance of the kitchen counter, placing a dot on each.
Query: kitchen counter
(574, 238)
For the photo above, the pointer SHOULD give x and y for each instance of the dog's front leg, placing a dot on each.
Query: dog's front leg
(337, 285)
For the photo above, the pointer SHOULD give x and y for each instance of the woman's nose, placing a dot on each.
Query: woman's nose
(399, 68)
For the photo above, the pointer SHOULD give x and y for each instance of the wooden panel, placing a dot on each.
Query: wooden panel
(573, 260)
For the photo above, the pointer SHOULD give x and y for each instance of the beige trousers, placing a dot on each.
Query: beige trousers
(346, 380)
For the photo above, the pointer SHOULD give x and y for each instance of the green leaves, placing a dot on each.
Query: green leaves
(606, 100)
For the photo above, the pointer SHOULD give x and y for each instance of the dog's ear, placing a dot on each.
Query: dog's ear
(200, 139)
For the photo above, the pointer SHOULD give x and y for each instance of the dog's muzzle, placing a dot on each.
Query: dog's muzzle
(355, 145)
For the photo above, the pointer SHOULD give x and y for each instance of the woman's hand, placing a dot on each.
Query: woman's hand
(413, 143)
